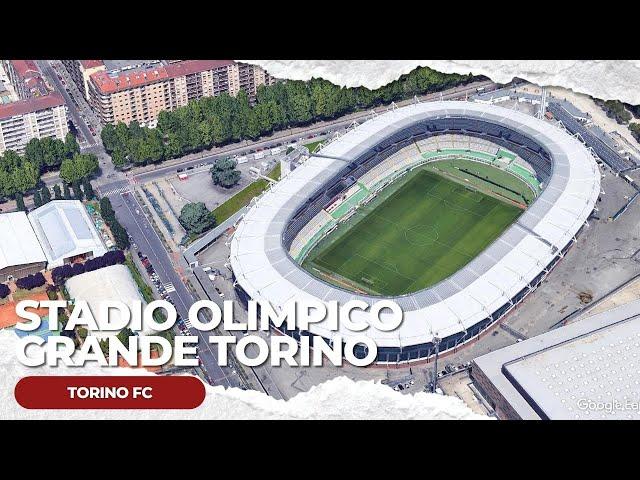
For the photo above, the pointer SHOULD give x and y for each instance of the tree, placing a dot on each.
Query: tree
(78, 194)
(26, 177)
(82, 333)
(124, 334)
(634, 127)
(67, 191)
(109, 137)
(120, 235)
(80, 166)
(224, 173)
(195, 218)
(4, 290)
(31, 281)
(106, 210)
(33, 151)
(615, 109)
(37, 199)
(7, 188)
(45, 194)
(118, 158)
(57, 194)
(88, 189)
(20, 202)
(71, 147)
(69, 171)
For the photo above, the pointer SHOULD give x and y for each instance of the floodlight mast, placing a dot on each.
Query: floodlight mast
(436, 342)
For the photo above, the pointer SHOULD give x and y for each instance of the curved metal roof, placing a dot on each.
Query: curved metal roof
(266, 271)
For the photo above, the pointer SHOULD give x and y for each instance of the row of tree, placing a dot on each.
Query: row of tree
(47, 154)
(79, 190)
(215, 121)
(62, 273)
(109, 215)
(21, 173)
(616, 110)
(31, 281)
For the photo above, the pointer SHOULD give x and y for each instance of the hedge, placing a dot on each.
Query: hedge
(31, 281)
(62, 273)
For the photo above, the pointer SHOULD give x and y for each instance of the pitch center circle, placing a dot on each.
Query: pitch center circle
(421, 235)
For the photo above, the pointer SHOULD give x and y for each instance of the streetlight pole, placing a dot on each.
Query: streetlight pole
(436, 343)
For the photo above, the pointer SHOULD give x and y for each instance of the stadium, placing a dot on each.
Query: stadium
(455, 210)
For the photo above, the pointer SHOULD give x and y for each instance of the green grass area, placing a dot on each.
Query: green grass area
(485, 178)
(20, 294)
(244, 196)
(144, 288)
(414, 234)
(275, 173)
(311, 146)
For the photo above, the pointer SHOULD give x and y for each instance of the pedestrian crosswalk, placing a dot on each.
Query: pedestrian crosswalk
(116, 191)
(168, 287)
(187, 323)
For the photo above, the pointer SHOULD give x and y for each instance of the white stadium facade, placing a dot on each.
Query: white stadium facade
(461, 307)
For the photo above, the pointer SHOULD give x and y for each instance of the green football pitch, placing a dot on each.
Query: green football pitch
(411, 236)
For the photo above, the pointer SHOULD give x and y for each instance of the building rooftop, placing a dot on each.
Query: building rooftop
(18, 242)
(106, 284)
(22, 107)
(130, 65)
(91, 63)
(65, 230)
(25, 68)
(570, 372)
(107, 82)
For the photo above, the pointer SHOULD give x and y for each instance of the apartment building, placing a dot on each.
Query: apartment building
(39, 112)
(81, 70)
(141, 94)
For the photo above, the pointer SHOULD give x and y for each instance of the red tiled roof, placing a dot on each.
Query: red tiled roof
(124, 81)
(91, 63)
(25, 68)
(21, 107)
(188, 67)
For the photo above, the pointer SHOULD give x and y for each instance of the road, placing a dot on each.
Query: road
(130, 214)
(78, 121)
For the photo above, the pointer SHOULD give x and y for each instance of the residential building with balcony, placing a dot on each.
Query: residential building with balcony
(141, 94)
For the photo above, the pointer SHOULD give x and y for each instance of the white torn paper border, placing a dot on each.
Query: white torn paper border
(605, 79)
(339, 398)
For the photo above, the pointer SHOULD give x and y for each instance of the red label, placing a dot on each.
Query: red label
(106, 393)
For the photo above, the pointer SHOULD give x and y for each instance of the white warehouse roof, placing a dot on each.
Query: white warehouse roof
(65, 230)
(113, 283)
(18, 242)
(265, 270)
(573, 372)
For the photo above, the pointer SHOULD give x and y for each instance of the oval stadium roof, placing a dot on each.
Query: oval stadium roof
(266, 271)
